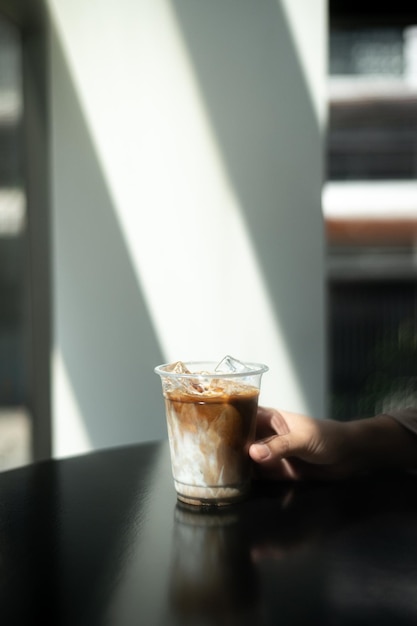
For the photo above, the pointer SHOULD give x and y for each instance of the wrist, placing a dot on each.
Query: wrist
(364, 444)
(380, 443)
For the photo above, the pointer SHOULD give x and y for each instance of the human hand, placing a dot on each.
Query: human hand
(291, 446)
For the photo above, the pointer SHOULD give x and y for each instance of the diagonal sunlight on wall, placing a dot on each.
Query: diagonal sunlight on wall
(75, 436)
(101, 324)
(262, 115)
(180, 217)
(183, 193)
(310, 55)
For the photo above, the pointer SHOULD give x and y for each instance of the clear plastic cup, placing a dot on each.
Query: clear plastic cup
(211, 419)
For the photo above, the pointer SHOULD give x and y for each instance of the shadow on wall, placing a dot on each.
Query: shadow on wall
(103, 329)
(263, 118)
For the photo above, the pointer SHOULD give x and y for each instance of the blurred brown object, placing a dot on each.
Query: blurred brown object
(372, 231)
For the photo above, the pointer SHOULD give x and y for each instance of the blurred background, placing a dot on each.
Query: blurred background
(15, 419)
(370, 206)
(53, 158)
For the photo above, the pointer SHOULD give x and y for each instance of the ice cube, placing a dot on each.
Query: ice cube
(178, 368)
(232, 365)
(190, 386)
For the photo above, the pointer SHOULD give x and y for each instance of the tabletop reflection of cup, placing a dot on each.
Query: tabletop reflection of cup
(212, 575)
(211, 413)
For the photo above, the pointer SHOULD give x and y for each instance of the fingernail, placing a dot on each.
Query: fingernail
(262, 451)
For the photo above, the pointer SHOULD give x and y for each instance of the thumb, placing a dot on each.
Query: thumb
(274, 448)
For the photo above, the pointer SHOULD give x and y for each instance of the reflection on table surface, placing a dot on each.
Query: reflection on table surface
(101, 539)
(340, 554)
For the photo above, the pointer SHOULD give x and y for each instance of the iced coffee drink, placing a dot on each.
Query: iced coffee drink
(211, 413)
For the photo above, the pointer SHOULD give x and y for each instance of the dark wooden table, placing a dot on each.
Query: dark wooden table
(100, 539)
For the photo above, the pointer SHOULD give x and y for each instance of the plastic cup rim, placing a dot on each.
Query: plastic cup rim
(256, 369)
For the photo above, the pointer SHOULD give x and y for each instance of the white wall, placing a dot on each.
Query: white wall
(187, 172)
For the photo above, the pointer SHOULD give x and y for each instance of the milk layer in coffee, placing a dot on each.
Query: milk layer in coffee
(210, 428)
